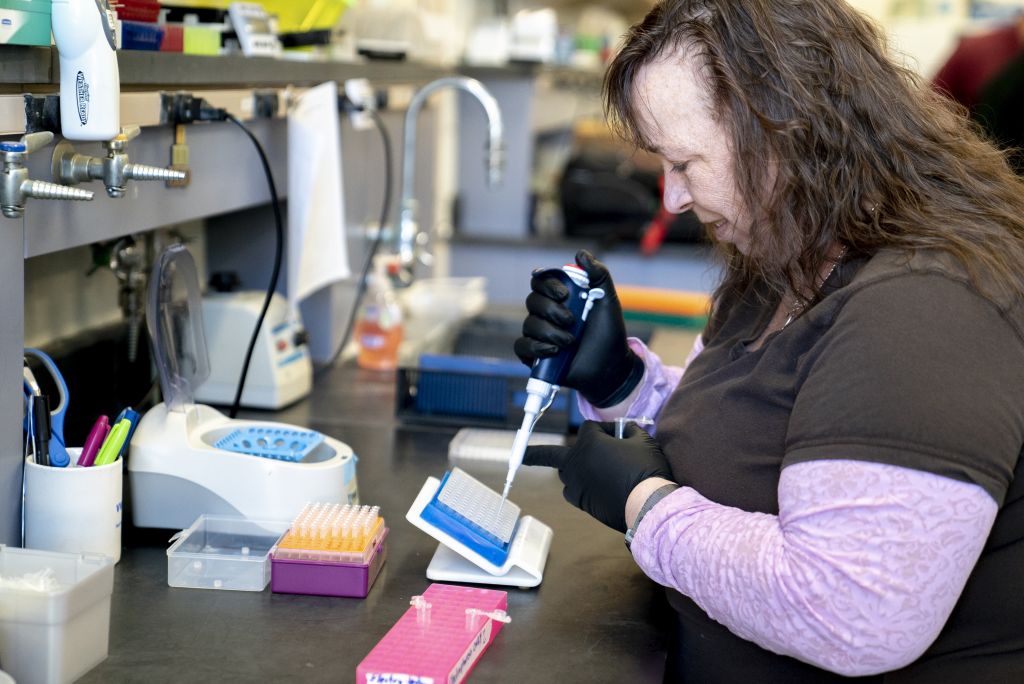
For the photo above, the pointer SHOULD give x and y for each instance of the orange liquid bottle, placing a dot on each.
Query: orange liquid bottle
(378, 346)
(378, 331)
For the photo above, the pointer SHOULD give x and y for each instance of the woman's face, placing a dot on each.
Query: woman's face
(674, 106)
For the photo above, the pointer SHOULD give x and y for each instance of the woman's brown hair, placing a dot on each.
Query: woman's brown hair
(853, 146)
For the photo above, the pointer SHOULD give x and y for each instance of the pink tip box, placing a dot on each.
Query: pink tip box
(439, 638)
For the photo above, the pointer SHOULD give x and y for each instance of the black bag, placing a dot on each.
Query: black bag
(604, 196)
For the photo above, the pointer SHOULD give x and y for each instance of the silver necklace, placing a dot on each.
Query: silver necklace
(798, 306)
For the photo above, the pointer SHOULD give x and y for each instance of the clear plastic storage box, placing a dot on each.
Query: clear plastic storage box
(223, 552)
(56, 636)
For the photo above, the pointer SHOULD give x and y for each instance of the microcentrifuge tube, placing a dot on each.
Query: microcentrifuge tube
(422, 607)
(473, 616)
(620, 424)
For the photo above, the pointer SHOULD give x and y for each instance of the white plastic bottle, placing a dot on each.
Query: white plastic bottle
(90, 84)
(378, 331)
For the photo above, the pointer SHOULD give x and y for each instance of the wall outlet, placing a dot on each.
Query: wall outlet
(362, 100)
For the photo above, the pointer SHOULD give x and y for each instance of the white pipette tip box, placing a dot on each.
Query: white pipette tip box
(485, 445)
(482, 541)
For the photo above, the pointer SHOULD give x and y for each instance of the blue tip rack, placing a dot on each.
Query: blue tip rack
(482, 541)
(472, 514)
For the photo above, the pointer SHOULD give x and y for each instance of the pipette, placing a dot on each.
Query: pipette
(549, 373)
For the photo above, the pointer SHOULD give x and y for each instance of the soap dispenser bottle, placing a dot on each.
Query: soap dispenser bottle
(378, 332)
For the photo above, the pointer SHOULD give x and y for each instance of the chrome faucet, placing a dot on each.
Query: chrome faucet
(408, 226)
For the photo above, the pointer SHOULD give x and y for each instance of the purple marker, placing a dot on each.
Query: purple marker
(92, 443)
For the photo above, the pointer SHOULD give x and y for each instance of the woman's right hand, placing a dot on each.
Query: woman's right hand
(605, 370)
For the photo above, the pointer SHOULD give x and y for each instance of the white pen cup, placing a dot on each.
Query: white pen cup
(74, 509)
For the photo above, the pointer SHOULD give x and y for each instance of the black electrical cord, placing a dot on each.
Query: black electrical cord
(278, 251)
(374, 246)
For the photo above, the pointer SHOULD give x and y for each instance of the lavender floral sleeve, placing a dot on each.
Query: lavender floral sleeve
(658, 383)
(857, 574)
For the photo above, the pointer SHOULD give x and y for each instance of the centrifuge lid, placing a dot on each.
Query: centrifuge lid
(175, 321)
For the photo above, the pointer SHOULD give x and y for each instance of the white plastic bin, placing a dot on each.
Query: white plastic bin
(55, 637)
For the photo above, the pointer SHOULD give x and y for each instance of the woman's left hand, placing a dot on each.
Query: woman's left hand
(599, 471)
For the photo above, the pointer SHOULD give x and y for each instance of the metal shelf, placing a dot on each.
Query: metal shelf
(30, 67)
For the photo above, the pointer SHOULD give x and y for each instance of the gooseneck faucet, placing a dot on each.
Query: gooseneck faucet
(408, 225)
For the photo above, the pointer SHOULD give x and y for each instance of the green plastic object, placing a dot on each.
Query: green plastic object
(25, 22)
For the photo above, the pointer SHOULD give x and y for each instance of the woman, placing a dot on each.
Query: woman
(835, 485)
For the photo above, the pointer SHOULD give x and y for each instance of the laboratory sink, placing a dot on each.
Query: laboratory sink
(435, 310)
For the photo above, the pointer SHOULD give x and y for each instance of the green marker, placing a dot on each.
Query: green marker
(112, 444)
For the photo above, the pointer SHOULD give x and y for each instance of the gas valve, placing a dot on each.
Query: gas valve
(18, 187)
(114, 170)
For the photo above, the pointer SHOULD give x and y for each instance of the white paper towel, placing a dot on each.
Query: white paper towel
(317, 250)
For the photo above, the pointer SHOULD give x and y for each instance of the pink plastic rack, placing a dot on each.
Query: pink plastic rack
(439, 638)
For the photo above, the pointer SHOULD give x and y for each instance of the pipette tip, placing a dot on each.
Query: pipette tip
(504, 496)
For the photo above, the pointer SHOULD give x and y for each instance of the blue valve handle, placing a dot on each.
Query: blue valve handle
(554, 369)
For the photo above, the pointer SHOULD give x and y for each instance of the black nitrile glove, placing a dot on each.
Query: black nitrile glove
(605, 370)
(599, 471)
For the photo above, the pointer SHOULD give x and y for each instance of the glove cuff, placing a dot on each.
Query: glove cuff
(632, 379)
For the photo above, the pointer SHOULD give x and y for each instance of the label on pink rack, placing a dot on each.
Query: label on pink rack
(461, 669)
(394, 678)
(458, 673)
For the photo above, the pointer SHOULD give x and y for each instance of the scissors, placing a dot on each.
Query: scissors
(58, 453)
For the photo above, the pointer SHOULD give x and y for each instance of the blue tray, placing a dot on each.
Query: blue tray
(284, 444)
(480, 387)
